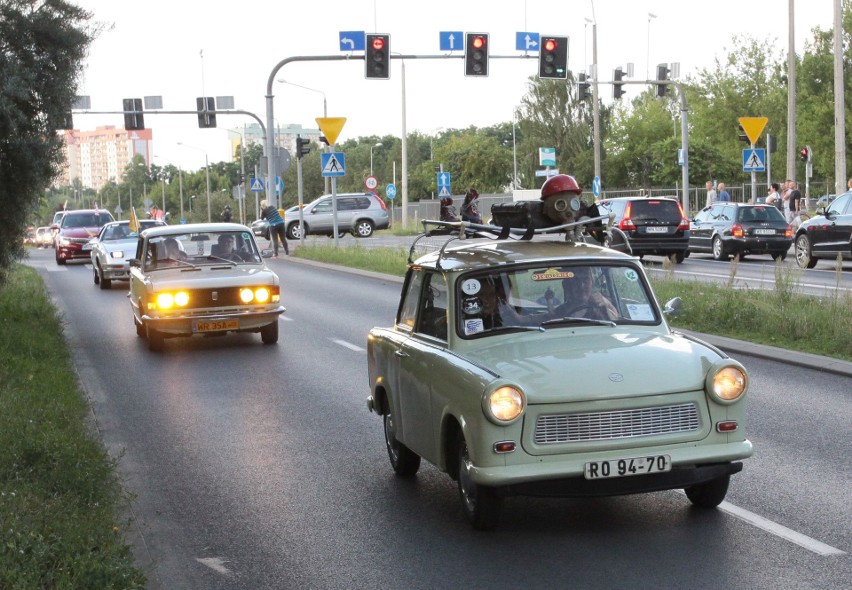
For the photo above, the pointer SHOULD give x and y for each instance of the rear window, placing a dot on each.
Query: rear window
(654, 210)
(767, 213)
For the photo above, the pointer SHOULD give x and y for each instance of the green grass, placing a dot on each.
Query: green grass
(781, 318)
(59, 492)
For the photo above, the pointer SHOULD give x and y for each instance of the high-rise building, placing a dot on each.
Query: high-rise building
(99, 156)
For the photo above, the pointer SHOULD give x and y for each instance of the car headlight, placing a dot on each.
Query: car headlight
(727, 383)
(117, 254)
(169, 300)
(64, 241)
(505, 404)
(257, 294)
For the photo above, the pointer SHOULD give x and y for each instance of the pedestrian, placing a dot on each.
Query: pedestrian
(773, 197)
(723, 194)
(849, 185)
(794, 203)
(226, 214)
(711, 193)
(470, 208)
(276, 226)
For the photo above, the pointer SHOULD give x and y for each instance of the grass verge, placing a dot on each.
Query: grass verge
(783, 318)
(59, 491)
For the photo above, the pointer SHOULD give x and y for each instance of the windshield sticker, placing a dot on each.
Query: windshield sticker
(552, 274)
(640, 312)
(473, 326)
(470, 286)
(631, 275)
(472, 305)
(245, 235)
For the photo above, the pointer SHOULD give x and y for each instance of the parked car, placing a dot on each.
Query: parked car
(727, 229)
(358, 213)
(544, 367)
(230, 288)
(113, 247)
(825, 201)
(75, 230)
(43, 237)
(653, 225)
(826, 235)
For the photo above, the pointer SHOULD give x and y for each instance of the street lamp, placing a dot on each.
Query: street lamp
(190, 205)
(371, 156)
(648, 47)
(324, 112)
(207, 172)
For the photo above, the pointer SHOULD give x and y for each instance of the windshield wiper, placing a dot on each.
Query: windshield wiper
(231, 262)
(516, 328)
(577, 320)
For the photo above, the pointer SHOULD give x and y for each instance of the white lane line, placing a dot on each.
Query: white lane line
(779, 530)
(348, 345)
(284, 318)
(214, 563)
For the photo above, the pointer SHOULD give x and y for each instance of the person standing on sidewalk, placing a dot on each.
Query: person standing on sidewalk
(276, 226)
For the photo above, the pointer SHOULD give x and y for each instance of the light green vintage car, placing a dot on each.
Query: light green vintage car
(545, 367)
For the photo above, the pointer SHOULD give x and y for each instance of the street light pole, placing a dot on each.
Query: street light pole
(324, 114)
(648, 47)
(371, 156)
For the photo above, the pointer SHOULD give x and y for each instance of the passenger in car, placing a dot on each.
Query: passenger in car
(496, 310)
(582, 299)
(226, 249)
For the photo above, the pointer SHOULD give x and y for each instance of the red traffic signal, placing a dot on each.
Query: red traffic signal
(378, 43)
(377, 58)
(550, 44)
(553, 58)
(478, 42)
(476, 54)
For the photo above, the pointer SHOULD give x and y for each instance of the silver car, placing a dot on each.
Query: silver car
(112, 248)
(358, 213)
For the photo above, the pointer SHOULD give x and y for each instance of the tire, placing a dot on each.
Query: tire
(405, 463)
(140, 329)
(710, 494)
(96, 278)
(155, 340)
(678, 257)
(779, 255)
(804, 253)
(60, 261)
(480, 504)
(104, 283)
(719, 249)
(364, 228)
(269, 333)
(294, 231)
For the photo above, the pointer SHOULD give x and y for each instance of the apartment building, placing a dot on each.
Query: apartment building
(99, 156)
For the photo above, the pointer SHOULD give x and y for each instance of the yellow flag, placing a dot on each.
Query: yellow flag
(134, 222)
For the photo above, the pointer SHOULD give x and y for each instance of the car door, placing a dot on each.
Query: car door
(835, 234)
(700, 230)
(320, 219)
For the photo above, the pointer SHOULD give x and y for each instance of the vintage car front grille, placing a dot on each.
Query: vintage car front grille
(223, 297)
(594, 426)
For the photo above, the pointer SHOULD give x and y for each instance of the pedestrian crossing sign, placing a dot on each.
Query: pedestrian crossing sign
(333, 163)
(754, 160)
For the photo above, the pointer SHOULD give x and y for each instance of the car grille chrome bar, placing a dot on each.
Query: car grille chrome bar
(621, 424)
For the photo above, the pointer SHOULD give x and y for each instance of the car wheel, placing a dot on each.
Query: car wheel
(140, 328)
(294, 231)
(719, 249)
(779, 255)
(104, 283)
(710, 494)
(678, 257)
(405, 463)
(804, 255)
(480, 504)
(155, 340)
(59, 261)
(364, 229)
(95, 276)
(269, 333)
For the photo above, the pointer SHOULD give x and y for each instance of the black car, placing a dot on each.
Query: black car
(652, 225)
(737, 229)
(826, 235)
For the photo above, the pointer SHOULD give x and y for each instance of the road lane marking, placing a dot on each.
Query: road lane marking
(348, 345)
(284, 318)
(214, 563)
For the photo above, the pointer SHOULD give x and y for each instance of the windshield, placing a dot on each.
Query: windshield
(552, 296)
(194, 249)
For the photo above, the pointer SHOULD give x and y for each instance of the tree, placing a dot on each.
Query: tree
(41, 50)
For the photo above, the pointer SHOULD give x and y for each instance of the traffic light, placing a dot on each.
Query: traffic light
(742, 136)
(67, 122)
(206, 106)
(476, 54)
(805, 153)
(303, 147)
(553, 58)
(582, 87)
(377, 58)
(662, 74)
(617, 86)
(133, 119)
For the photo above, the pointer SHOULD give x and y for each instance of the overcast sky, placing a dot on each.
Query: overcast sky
(182, 49)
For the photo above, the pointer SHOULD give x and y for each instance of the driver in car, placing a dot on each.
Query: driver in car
(582, 299)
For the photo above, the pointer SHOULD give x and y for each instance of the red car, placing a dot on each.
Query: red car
(75, 231)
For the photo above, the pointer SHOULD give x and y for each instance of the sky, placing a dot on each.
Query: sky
(183, 49)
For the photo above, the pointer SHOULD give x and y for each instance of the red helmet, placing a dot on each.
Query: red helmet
(446, 201)
(559, 184)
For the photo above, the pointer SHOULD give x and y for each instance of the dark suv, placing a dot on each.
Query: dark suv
(653, 225)
(359, 213)
(827, 235)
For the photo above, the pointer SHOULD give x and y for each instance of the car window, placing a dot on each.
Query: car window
(839, 205)
(432, 315)
(654, 210)
(193, 249)
(408, 305)
(362, 203)
(322, 207)
(345, 204)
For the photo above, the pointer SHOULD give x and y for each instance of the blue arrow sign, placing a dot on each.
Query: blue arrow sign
(444, 179)
(390, 191)
(333, 163)
(352, 41)
(596, 186)
(451, 40)
(754, 160)
(526, 41)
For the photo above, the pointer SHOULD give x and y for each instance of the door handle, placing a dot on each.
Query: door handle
(400, 354)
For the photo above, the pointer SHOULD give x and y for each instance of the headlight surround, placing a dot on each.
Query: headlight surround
(504, 405)
(167, 300)
(727, 383)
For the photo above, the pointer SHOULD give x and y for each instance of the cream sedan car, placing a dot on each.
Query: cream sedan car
(202, 279)
(546, 367)
(112, 248)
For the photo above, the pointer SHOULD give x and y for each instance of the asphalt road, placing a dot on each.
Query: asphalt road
(257, 466)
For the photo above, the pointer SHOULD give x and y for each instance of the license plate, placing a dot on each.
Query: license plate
(627, 467)
(656, 230)
(215, 325)
(86, 247)
(764, 232)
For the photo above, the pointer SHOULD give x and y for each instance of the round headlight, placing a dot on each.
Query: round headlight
(246, 295)
(729, 383)
(165, 300)
(182, 298)
(506, 403)
(262, 295)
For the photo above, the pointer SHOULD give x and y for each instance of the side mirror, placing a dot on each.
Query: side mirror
(673, 307)
(133, 262)
(266, 253)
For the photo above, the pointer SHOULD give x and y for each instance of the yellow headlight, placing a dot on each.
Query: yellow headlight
(506, 403)
(182, 298)
(729, 384)
(165, 300)
(246, 295)
(262, 295)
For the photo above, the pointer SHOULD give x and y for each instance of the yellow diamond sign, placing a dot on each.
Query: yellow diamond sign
(331, 127)
(753, 127)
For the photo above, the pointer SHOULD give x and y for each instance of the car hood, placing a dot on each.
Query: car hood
(589, 366)
(127, 246)
(80, 232)
(213, 276)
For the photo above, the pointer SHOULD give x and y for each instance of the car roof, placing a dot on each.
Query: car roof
(172, 230)
(485, 253)
(641, 198)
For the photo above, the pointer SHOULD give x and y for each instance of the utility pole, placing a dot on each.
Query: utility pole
(791, 92)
